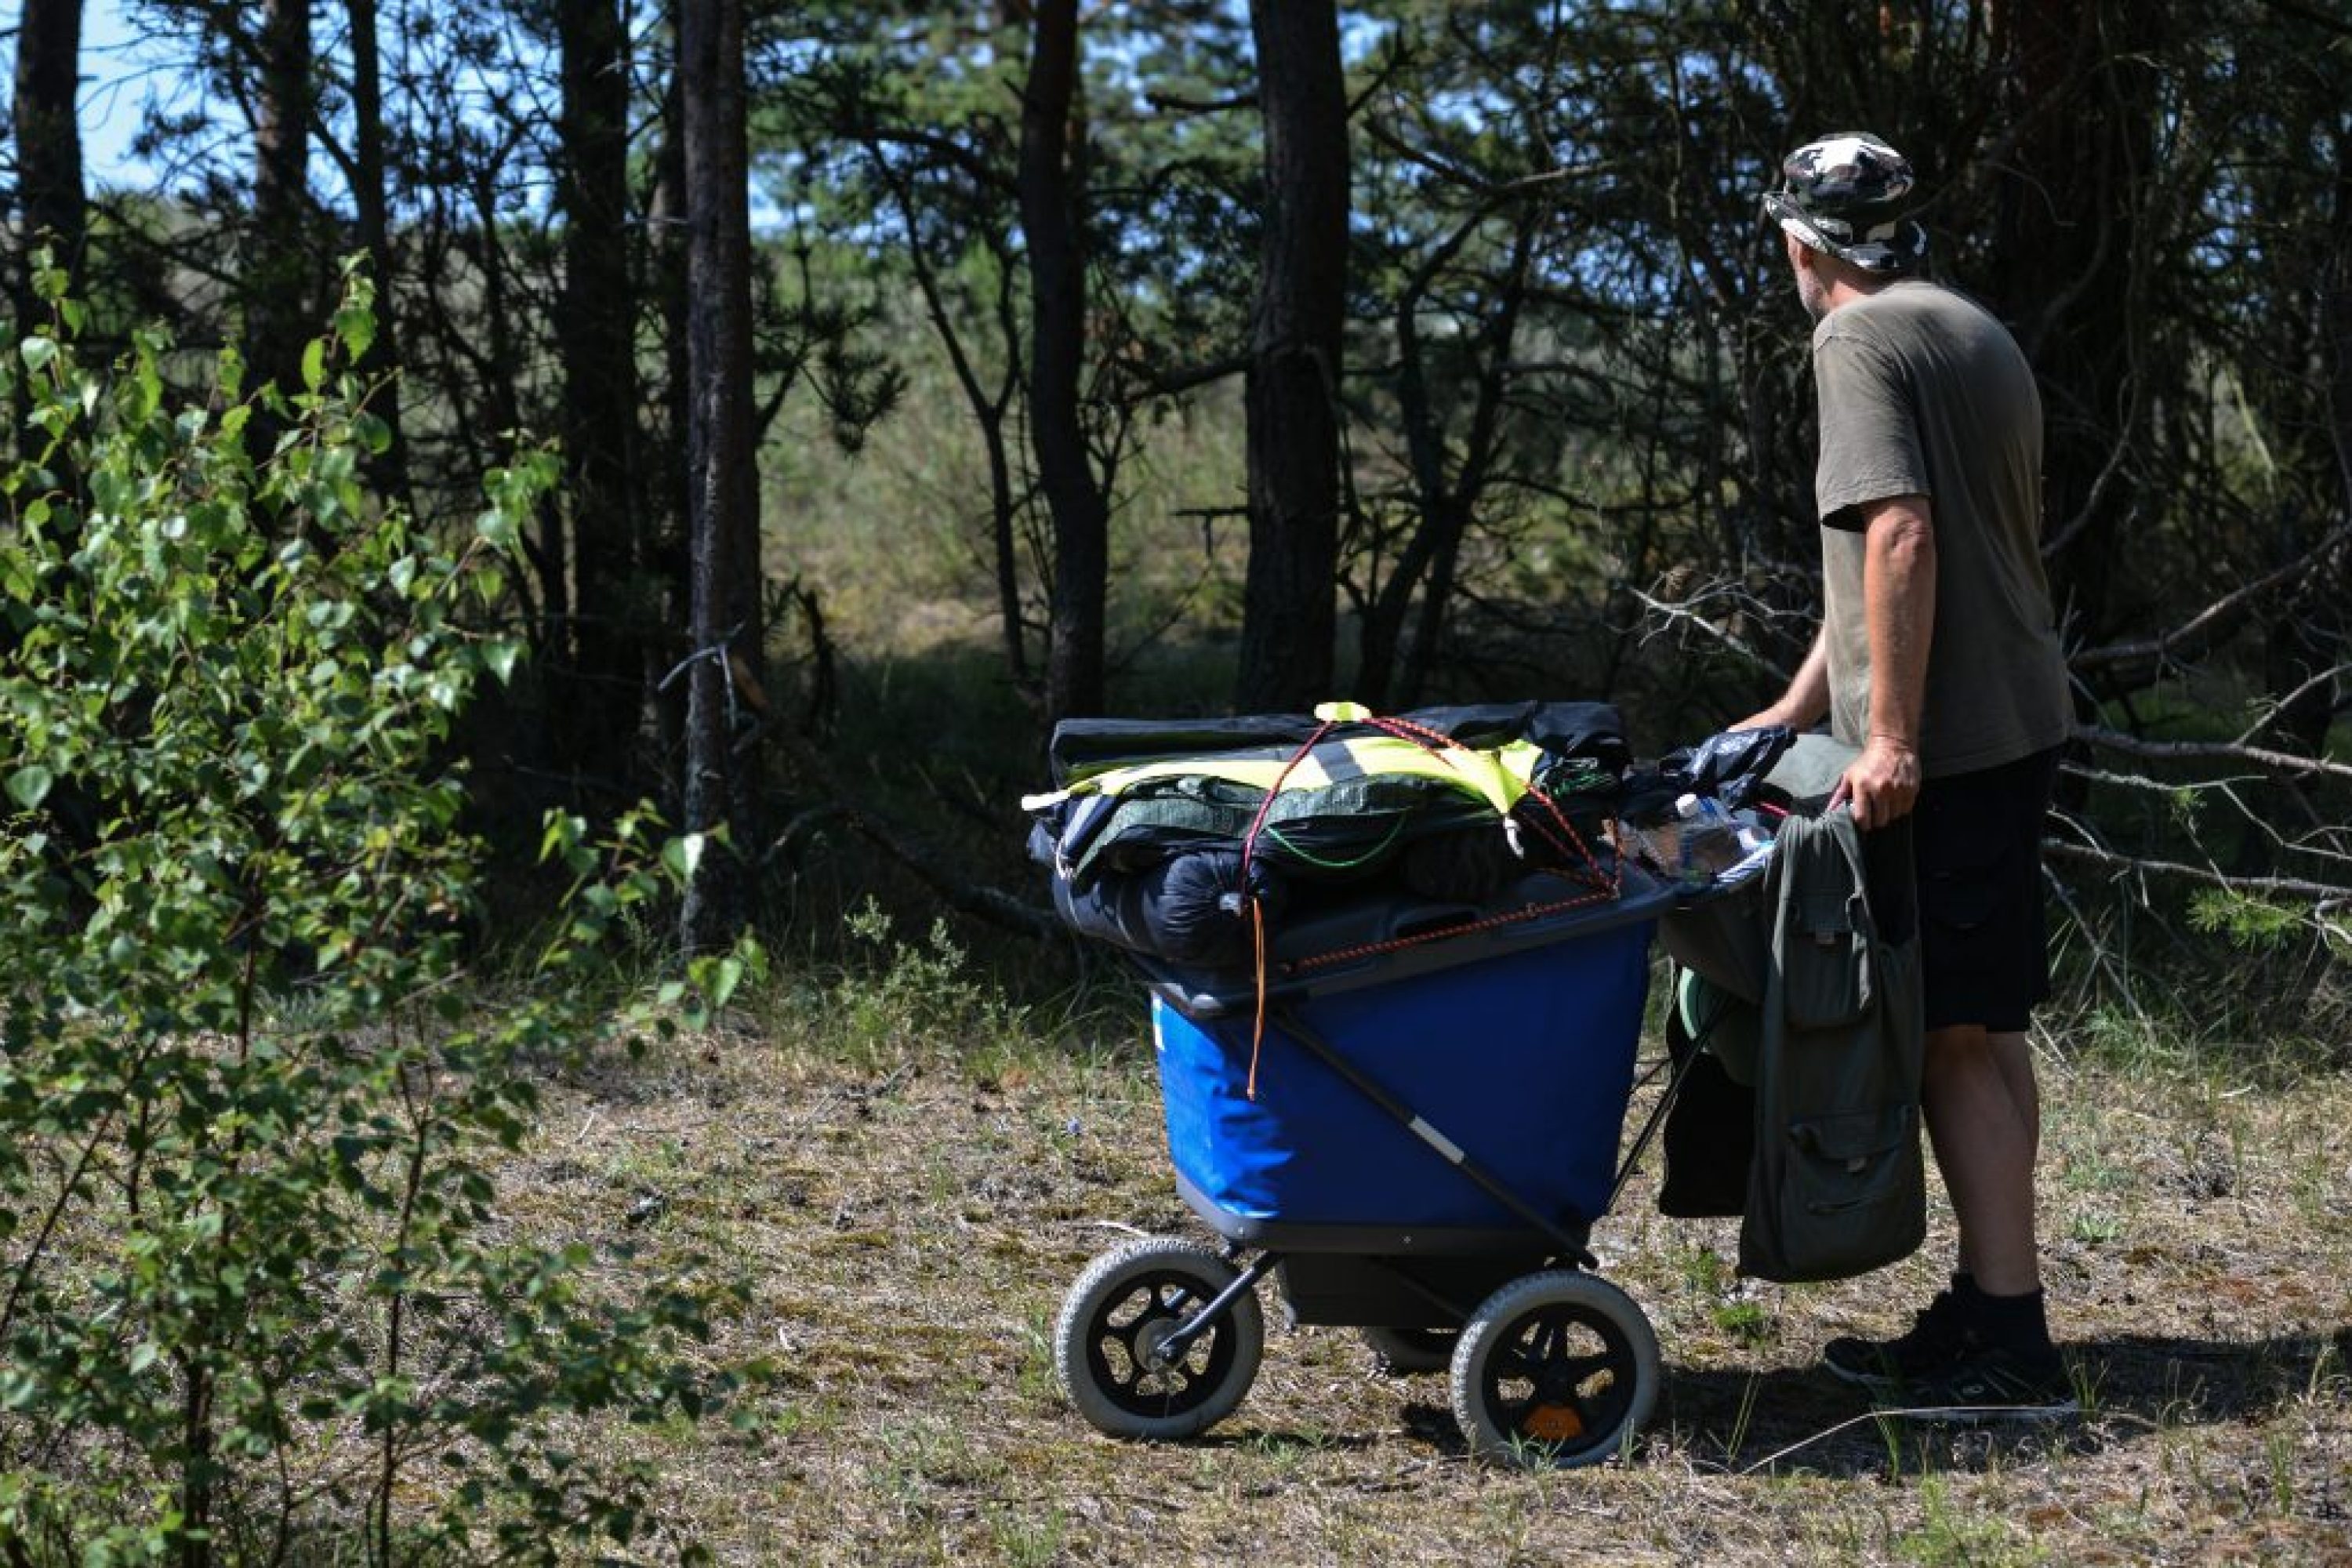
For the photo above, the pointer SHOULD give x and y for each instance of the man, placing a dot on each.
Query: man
(1938, 657)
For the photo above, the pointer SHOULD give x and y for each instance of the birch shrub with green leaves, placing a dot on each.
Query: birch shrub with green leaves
(255, 1305)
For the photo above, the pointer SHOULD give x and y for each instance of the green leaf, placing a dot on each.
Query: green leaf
(314, 364)
(563, 834)
(37, 352)
(719, 980)
(681, 858)
(29, 785)
(356, 327)
(501, 654)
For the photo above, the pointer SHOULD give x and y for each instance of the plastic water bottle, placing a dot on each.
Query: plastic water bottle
(1710, 840)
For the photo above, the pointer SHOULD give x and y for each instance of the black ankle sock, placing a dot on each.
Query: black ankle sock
(2017, 1323)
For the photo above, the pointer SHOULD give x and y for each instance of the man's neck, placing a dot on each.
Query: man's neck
(1848, 286)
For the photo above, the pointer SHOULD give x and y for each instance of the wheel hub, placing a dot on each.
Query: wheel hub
(1149, 1339)
(1553, 1424)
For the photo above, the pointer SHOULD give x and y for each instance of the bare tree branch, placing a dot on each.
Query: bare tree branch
(2221, 615)
(2273, 709)
(1715, 611)
(2261, 756)
(2293, 886)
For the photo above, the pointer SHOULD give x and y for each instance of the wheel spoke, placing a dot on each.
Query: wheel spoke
(1127, 1359)
(1510, 1363)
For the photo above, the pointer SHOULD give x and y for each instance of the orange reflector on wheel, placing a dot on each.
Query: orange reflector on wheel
(1553, 1424)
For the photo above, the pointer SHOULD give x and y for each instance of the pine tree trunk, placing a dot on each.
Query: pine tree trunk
(48, 136)
(2065, 282)
(278, 305)
(1287, 614)
(1052, 196)
(50, 201)
(722, 520)
(598, 689)
(372, 194)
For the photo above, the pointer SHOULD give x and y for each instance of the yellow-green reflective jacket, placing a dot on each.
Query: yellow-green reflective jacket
(1340, 807)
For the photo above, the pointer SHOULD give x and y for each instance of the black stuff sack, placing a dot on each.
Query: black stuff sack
(1188, 909)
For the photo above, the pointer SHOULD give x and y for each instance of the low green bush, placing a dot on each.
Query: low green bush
(256, 1299)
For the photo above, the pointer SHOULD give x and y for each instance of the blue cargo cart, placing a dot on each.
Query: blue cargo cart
(1410, 1137)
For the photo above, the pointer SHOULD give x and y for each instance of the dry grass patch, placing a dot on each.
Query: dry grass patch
(908, 1218)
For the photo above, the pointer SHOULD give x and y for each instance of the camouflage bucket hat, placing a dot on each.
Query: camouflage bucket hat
(1843, 195)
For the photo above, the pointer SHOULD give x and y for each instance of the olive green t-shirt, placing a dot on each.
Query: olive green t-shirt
(1923, 393)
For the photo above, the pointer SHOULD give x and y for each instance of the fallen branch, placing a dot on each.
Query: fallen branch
(2215, 619)
(2324, 678)
(2293, 886)
(2282, 762)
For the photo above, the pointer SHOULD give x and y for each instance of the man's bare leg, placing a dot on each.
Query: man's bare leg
(2013, 1053)
(1984, 1122)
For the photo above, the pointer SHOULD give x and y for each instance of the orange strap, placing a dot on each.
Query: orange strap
(1257, 1027)
(1567, 841)
(1492, 922)
(1257, 911)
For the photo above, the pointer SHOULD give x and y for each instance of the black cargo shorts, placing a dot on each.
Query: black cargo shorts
(1975, 843)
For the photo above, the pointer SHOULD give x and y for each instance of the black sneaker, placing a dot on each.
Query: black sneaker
(1939, 1336)
(1989, 1384)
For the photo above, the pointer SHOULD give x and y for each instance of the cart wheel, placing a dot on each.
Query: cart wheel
(1409, 1353)
(1118, 1314)
(1555, 1369)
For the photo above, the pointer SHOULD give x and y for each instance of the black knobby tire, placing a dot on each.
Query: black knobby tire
(1118, 1313)
(1411, 1352)
(1557, 1369)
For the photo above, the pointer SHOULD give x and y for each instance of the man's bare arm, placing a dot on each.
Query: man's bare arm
(1898, 590)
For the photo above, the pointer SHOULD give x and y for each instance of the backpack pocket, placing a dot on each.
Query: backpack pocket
(1851, 1196)
(1825, 961)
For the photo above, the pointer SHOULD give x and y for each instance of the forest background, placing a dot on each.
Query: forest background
(1085, 363)
(859, 389)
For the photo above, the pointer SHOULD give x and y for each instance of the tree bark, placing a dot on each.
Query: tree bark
(2068, 236)
(2335, 318)
(723, 541)
(51, 202)
(278, 305)
(371, 191)
(662, 487)
(1052, 197)
(599, 686)
(1292, 399)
